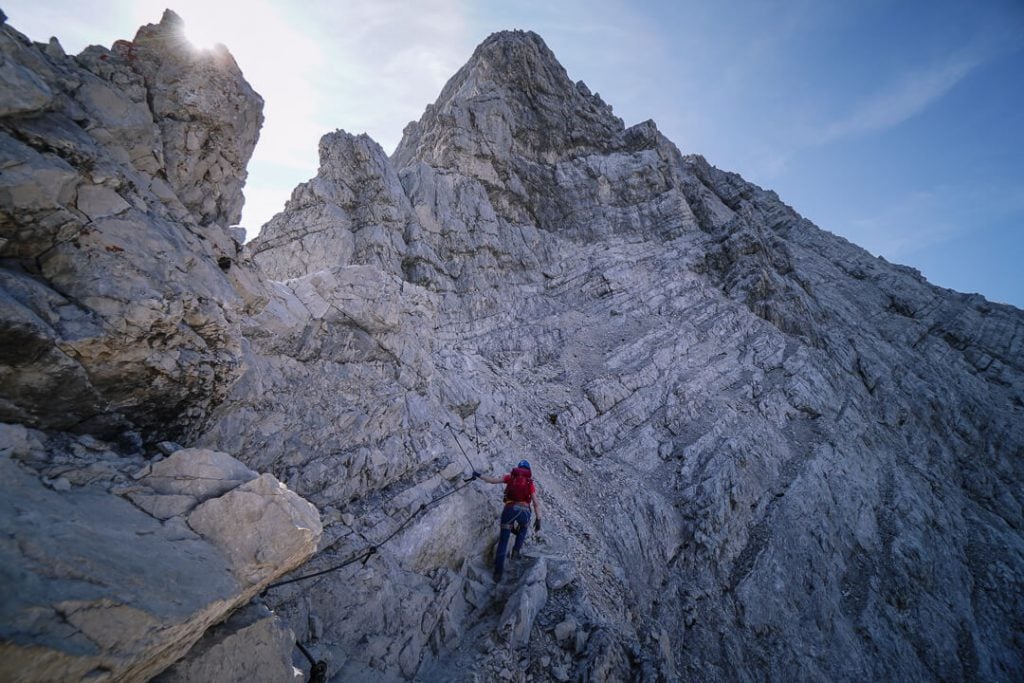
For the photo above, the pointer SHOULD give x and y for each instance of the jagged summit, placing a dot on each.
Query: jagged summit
(511, 97)
(516, 50)
(520, 61)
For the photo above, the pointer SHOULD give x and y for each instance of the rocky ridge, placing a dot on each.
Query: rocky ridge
(762, 452)
(771, 402)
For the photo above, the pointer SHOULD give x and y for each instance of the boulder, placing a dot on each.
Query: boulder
(196, 472)
(98, 588)
(523, 606)
(263, 528)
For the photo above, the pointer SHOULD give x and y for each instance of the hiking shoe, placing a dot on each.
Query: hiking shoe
(515, 554)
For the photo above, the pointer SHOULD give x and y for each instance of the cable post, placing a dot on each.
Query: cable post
(472, 467)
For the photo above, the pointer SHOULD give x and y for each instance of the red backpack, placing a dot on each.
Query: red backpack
(519, 488)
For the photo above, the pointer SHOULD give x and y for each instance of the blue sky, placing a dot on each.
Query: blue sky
(898, 125)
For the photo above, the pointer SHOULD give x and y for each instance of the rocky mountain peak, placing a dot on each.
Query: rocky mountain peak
(517, 61)
(208, 114)
(170, 21)
(353, 211)
(514, 98)
(123, 170)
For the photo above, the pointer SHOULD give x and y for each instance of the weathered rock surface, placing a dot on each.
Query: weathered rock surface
(251, 646)
(353, 212)
(261, 526)
(521, 610)
(98, 589)
(208, 115)
(813, 453)
(762, 453)
(116, 194)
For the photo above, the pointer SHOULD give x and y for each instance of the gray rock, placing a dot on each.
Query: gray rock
(16, 441)
(198, 473)
(21, 90)
(153, 340)
(524, 605)
(489, 112)
(209, 119)
(316, 627)
(96, 585)
(59, 484)
(100, 202)
(560, 574)
(162, 506)
(353, 212)
(565, 631)
(252, 646)
(168, 447)
(655, 327)
(287, 533)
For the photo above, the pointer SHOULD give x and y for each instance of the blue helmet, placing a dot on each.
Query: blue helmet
(524, 463)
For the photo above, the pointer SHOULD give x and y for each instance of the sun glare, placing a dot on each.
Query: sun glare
(216, 23)
(204, 36)
(209, 22)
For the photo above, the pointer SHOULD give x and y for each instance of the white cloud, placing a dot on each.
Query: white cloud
(908, 95)
(387, 62)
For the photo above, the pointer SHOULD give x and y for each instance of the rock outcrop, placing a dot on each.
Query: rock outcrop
(252, 645)
(762, 452)
(121, 291)
(353, 212)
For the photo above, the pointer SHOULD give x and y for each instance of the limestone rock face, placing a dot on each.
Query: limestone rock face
(761, 452)
(209, 118)
(277, 530)
(511, 101)
(809, 450)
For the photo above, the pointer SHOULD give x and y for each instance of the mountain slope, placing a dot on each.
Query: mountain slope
(765, 452)
(762, 453)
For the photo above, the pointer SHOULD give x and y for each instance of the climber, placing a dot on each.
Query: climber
(520, 493)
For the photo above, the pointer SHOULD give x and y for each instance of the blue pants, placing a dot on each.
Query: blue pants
(509, 516)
